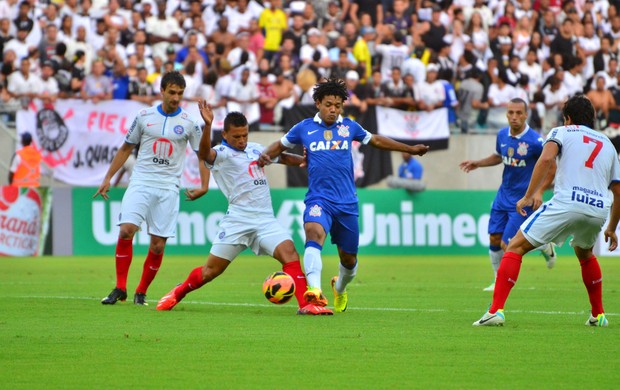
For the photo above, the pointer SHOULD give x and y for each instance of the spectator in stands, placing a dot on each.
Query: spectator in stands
(340, 45)
(533, 70)
(409, 175)
(19, 44)
(191, 41)
(171, 56)
(162, 30)
(22, 85)
(297, 32)
(603, 101)
(341, 66)
(221, 36)
(564, 42)
(244, 97)
(361, 51)
(50, 16)
(430, 94)
(139, 37)
(48, 90)
(589, 45)
(96, 85)
(573, 80)
(435, 30)
(477, 31)
(23, 21)
(352, 79)
(25, 169)
(273, 21)
(241, 56)
(398, 18)
(140, 89)
(392, 54)
(395, 89)
(292, 60)
(113, 18)
(120, 81)
(47, 46)
(314, 54)
(372, 8)
(267, 98)
(500, 91)
(257, 40)
(470, 99)
(555, 95)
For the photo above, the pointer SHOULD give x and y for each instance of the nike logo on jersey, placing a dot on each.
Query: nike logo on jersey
(502, 145)
(151, 124)
(312, 132)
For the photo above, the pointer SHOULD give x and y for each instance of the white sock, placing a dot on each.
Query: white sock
(345, 276)
(313, 264)
(496, 258)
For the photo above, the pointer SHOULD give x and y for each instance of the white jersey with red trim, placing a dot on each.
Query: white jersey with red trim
(587, 165)
(163, 140)
(242, 180)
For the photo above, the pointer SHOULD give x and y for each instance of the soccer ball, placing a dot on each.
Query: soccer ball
(279, 287)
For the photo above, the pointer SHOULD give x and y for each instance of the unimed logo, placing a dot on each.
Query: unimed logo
(401, 227)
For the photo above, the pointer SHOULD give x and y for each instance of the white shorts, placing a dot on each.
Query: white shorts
(555, 223)
(262, 235)
(158, 207)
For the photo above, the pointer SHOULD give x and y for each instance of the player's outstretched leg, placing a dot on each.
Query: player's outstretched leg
(495, 255)
(193, 282)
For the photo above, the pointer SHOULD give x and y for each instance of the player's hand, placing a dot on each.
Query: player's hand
(419, 150)
(612, 239)
(467, 166)
(205, 112)
(537, 201)
(264, 159)
(304, 163)
(523, 203)
(194, 193)
(103, 190)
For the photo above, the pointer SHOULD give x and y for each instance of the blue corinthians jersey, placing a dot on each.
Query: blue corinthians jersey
(519, 155)
(330, 163)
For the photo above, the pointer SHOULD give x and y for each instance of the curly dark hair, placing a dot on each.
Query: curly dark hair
(330, 87)
(172, 78)
(236, 119)
(580, 110)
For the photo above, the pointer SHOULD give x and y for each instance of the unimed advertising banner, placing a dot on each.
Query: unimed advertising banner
(79, 139)
(24, 215)
(391, 222)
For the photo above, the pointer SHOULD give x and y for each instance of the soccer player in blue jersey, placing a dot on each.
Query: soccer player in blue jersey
(518, 148)
(331, 200)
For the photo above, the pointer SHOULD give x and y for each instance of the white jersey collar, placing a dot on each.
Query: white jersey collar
(318, 119)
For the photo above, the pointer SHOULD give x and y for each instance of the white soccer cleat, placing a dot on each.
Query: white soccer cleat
(549, 254)
(490, 288)
(599, 320)
(488, 319)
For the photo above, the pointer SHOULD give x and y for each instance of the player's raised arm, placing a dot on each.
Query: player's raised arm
(385, 143)
(205, 152)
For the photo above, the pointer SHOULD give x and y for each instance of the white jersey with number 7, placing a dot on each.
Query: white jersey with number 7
(587, 164)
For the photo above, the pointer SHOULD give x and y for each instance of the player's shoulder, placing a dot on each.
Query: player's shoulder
(147, 112)
(503, 132)
(185, 116)
(254, 148)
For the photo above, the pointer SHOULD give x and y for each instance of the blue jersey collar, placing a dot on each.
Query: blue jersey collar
(318, 119)
(521, 134)
(230, 146)
(161, 111)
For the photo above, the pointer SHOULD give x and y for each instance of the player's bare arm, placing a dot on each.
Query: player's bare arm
(272, 151)
(117, 163)
(614, 217)
(292, 159)
(469, 165)
(385, 143)
(544, 165)
(205, 152)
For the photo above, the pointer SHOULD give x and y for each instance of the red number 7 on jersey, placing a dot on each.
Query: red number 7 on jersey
(597, 148)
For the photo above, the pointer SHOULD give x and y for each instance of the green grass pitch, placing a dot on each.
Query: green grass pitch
(408, 326)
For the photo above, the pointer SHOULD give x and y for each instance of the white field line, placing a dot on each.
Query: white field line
(393, 309)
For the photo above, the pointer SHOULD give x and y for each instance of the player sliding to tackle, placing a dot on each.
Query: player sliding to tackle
(249, 221)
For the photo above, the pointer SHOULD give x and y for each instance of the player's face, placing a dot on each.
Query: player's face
(329, 109)
(171, 96)
(237, 137)
(517, 115)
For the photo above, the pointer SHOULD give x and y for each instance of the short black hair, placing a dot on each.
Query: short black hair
(331, 87)
(519, 101)
(172, 78)
(580, 110)
(236, 119)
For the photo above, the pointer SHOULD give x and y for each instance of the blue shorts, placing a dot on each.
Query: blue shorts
(340, 221)
(506, 222)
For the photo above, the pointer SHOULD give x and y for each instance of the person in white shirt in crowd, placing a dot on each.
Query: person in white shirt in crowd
(243, 97)
(555, 94)
(22, 85)
(241, 57)
(162, 29)
(573, 79)
(533, 70)
(589, 44)
(240, 17)
(48, 90)
(392, 55)
(430, 93)
(500, 92)
(315, 54)
(19, 44)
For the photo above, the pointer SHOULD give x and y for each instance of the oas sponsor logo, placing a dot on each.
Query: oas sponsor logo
(178, 129)
(162, 149)
(315, 211)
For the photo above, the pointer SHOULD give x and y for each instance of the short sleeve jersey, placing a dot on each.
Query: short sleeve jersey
(163, 140)
(242, 180)
(519, 155)
(586, 166)
(330, 163)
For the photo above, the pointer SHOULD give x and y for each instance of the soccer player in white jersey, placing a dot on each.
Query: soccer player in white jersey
(331, 201)
(162, 132)
(249, 221)
(587, 187)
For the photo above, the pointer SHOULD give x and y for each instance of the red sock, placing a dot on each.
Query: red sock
(507, 276)
(193, 282)
(151, 266)
(593, 280)
(301, 285)
(124, 254)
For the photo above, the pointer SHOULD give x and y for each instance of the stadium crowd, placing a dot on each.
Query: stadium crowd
(471, 56)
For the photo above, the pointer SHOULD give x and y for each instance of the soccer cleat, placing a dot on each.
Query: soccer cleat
(488, 319)
(340, 299)
(314, 310)
(599, 320)
(490, 288)
(140, 299)
(549, 254)
(315, 296)
(168, 301)
(116, 295)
